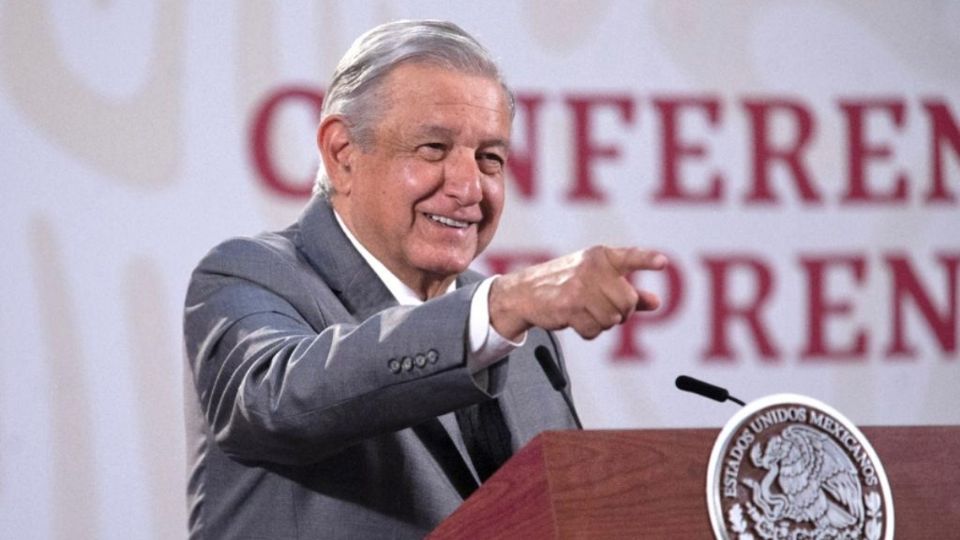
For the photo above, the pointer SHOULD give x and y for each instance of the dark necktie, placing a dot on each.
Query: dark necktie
(439, 444)
(486, 436)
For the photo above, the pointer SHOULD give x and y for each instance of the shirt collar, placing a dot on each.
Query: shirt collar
(404, 295)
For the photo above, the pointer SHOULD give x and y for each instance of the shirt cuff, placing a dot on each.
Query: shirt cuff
(487, 346)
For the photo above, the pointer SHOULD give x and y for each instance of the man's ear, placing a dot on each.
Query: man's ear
(338, 151)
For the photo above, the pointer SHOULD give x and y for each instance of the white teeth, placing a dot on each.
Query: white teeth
(449, 222)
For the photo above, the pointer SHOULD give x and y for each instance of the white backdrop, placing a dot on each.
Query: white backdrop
(824, 259)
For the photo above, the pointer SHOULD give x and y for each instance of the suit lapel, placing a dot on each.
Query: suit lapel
(332, 255)
(361, 292)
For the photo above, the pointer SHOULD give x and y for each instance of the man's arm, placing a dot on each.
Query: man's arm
(275, 389)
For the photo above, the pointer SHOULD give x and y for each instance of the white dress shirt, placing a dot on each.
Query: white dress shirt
(487, 346)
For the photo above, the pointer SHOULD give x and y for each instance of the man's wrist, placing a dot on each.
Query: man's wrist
(487, 345)
(503, 316)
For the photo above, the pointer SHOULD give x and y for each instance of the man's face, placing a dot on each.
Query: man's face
(426, 197)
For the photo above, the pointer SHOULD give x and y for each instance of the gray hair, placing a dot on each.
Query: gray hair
(353, 92)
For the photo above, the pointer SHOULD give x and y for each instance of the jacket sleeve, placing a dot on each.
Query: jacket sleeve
(275, 388)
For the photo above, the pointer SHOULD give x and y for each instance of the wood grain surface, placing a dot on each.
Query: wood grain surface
(652, 484)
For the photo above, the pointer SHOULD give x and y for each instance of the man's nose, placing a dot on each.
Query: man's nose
(462, 178)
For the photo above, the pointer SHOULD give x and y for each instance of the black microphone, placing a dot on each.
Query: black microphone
(549, 367)
(689, 384)
(556, 378)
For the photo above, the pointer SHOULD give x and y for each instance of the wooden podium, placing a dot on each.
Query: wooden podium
(652, 484)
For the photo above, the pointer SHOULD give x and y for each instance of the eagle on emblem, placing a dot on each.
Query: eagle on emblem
(809, 479)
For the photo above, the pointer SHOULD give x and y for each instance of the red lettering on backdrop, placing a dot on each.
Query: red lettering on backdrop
(585, 149)
(820, 308)
(260, 139)
(629, 348)
(861, 152)
(523, 165)
(503, 262)
(723, 311)
(907, 285)
(674, 151)
(760, 113)
(943, 131)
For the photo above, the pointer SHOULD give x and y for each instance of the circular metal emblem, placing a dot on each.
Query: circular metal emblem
(790, 467)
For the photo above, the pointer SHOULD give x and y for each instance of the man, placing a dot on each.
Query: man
(350, 377)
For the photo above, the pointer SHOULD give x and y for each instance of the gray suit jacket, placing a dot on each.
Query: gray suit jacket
(309, 392)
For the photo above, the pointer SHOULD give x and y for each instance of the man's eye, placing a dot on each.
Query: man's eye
(432, 151)
(490, 163)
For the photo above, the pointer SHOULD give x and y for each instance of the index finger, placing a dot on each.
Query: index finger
(626, 260)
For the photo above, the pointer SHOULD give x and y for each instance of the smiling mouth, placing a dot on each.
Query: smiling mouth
(449, 222)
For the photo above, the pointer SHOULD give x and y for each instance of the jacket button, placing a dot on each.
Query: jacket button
(407, 363)
(420, 360)
(394, 365)
(432, 356)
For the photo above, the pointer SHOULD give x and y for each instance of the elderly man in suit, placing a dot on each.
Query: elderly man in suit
(350, 377)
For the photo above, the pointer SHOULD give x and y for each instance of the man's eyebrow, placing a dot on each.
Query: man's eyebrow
(433, 130)
(489, 143)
